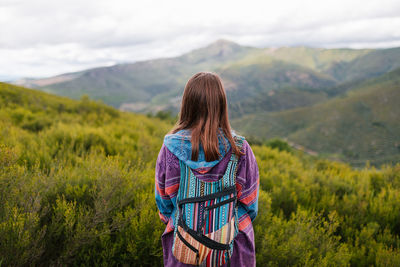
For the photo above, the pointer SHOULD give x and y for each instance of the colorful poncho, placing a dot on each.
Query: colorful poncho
(178, 147)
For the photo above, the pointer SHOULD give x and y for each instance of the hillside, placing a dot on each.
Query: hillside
(321, 60)
(142, 84)
(369, 65)
(358, 126)
(155, 85)
(272, 92)
(77, 188)
(271, 86)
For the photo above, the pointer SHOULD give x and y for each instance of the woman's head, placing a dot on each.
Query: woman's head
(204, 109)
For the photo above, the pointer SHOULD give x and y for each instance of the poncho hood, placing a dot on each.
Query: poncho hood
(180, 145)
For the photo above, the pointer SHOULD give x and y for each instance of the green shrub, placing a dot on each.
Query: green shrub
(77, 188)
(279, 144)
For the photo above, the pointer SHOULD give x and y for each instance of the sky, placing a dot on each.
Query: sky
(43, 38)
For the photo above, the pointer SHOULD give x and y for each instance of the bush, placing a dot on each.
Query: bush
(279, 144)
(78, 190)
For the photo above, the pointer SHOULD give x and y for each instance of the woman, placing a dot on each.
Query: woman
(203, 140)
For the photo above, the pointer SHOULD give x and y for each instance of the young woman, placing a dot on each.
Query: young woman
(203, 140)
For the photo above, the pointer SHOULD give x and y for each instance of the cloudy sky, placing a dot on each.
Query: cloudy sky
(46, 37)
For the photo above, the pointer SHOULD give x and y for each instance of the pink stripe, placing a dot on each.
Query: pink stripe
(172, 189)
(251, 196)
(246, 222)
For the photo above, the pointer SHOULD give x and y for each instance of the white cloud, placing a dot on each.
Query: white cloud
(45, 37)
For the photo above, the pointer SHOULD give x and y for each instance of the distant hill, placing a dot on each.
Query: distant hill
(361, 125)
(271, 86)
(157, 84)
(309, 95)
(372, 64)
(136, 86)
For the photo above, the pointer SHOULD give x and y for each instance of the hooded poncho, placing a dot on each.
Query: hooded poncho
(178, 147)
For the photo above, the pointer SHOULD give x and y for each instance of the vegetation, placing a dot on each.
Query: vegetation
(77, 188)
(164, 115)
(358, 126)
(285, 92)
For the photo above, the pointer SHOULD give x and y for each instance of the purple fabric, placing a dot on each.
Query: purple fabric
(168, 168)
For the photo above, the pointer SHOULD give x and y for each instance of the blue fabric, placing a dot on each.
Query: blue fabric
(180, 145)
(251, 210)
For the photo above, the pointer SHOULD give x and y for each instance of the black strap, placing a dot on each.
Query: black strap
(189, 246)
(214, 207)
(220, 203)
(186, 242)
(200, 237)
(226, 191)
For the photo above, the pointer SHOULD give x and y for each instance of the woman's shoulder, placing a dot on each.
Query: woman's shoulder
(247, 158)
(241, 141)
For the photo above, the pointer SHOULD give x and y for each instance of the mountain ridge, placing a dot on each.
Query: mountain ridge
(359, 126)
(264, 86)
(217, 50)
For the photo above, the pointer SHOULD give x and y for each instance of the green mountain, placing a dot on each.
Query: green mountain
(372, 64)
(317, 59)
(77, 189)
(154, 85)
(137, 86)
(286, 92)
(361, 125)
(270, 86)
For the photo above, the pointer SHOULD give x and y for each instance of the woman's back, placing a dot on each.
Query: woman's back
(247, 183)
(202, 141)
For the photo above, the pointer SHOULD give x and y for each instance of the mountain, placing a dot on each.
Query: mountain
(273, 92)
(157, 84)
(317, 59)
(361, 125)
(273, 85)
(138, 85)
(369, 65)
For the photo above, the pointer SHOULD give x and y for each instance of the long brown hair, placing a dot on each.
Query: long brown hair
(204, 109)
